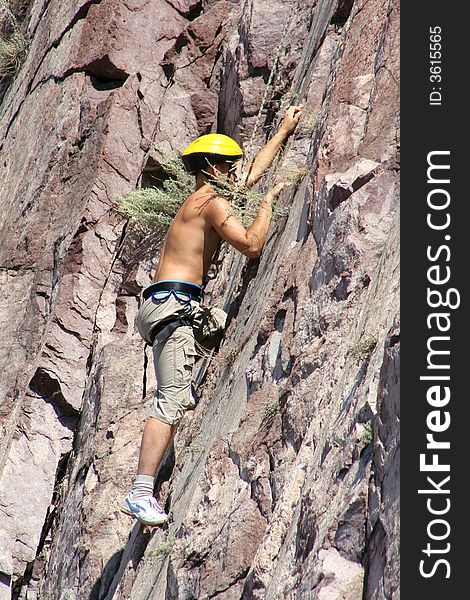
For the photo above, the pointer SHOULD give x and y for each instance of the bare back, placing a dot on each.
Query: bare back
(190, 243)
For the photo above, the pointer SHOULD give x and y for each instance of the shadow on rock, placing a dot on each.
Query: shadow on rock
(114, 571)
(116, 566)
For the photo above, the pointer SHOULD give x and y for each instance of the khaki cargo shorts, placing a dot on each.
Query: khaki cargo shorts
(174, 358)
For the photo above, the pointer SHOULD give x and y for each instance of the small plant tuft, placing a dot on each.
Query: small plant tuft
(310, 118)
(292, 174)
(162, 549)
(13, 43)
(363, 347)
(271, 407)
(196, 447)
(228, 353)
(367, 433)
(13, 50)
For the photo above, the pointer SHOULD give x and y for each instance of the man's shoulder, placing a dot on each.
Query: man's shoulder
(206, 200)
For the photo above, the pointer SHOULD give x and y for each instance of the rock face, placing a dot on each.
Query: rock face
(284, 481)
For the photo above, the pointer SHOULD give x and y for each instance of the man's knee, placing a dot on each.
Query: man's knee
(170, 410)
(157, 421)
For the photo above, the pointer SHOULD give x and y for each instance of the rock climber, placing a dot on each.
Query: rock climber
(171, 317)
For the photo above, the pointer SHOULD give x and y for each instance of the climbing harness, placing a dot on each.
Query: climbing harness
(165, 328)
(185, 287)
(184, 292)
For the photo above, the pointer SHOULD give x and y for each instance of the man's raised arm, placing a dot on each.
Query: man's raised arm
(249, 241)
(263, 160)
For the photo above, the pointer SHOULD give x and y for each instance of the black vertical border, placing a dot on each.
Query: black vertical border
(426, 128)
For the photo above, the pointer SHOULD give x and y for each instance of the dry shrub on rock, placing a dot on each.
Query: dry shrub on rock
(13, 43)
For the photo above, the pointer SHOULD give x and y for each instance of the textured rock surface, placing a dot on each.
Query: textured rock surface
(284, 482)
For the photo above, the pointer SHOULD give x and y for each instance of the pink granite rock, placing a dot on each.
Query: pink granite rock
(274, 487)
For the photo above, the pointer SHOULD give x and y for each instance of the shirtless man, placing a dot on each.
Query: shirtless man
(171, 318)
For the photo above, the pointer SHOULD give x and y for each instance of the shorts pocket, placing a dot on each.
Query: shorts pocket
(190, 358)
(184, 356)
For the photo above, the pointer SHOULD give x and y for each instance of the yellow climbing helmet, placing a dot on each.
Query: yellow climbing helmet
(210, 148)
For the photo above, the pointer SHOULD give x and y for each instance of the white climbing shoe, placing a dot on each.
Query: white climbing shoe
(147, 511)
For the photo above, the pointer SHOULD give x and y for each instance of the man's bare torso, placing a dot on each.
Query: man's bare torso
(205, 218)
(190, 243)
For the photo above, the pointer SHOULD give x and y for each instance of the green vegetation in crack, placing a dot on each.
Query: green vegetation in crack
(155, 205)
(367, 433)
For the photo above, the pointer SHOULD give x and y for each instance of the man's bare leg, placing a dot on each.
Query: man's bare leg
(140, 502)
(155, 439)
